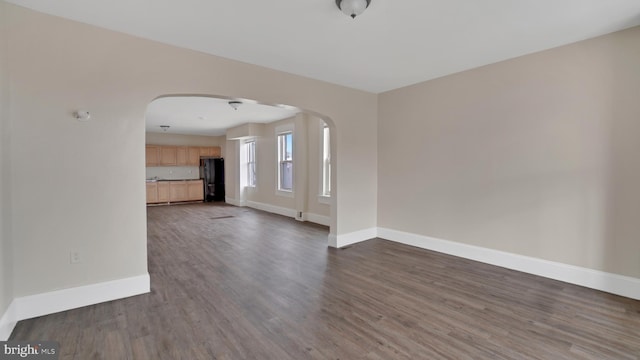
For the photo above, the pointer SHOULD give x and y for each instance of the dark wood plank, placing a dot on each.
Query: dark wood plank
(236, 283)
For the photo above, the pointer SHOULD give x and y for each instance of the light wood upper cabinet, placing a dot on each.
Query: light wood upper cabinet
(152, 155)
(168, 155)
(215, 151)
(181, 156)
(193, 156)
(204, 151)
(162, 155)
(210, 151)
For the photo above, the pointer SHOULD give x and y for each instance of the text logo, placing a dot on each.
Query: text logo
(31, 350)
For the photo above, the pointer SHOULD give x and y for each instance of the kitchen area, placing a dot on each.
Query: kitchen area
(181, 174)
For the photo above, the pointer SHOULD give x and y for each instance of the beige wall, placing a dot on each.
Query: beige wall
(6, 249)
(244, 131)
(266, 158)
(266, 167)
(231, 180)
(58, 66)
(314, 160)
(537, 155)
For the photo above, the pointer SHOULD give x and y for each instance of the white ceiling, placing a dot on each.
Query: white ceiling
(192, 115)
(393, 44)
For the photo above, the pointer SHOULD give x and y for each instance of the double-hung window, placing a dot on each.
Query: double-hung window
(251, 163)
(285, 161)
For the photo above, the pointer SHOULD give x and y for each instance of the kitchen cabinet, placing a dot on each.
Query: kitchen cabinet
(174, 191)
(193, 156)
(210, 151)
(168, 155)
(163, 191)
(181, 156)
(215, 151)
(152, 192)
(152, 155)
(163, 155)
(195, 191)
(177, 191)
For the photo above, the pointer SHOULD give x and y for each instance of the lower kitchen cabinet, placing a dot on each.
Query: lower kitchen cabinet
(152, 193)
(195, 191)
(174, 191)
(163, 191)
(178, 191)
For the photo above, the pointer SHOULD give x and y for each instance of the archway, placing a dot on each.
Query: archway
(232, 150)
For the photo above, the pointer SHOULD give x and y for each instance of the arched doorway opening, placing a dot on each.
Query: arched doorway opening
(239, 126)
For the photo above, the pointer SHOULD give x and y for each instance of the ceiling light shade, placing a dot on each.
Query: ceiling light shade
(82, 115)
(165, 127)
(353, 8)
(235, 104)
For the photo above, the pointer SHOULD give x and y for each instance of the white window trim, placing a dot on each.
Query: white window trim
(282, 129)
(255, 161)
(322, 198)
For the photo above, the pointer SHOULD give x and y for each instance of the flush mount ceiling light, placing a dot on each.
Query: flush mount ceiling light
(353, 8)
(82, 115)
(235, 104)
(165, 127)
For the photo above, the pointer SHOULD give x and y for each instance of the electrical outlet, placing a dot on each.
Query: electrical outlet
(74, 257)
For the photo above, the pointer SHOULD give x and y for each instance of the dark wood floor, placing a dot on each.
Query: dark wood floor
(235, 283)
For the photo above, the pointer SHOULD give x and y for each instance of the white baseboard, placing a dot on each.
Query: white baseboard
(55, 301)
(314, 218)
(31, 306)
(234, 202)
(333, 240)
(343, 240)
(318, 219)
(272, 209)
(595, 279)
(8, 322)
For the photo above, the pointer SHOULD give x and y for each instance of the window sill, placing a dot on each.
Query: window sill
(284, 193)
(323, 199)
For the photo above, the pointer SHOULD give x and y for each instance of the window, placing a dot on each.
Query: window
(325, 185)
(251, 163)
(285, 161)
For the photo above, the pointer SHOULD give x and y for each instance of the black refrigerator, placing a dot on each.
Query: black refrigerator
(212, 171)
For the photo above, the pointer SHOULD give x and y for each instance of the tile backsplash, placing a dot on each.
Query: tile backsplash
(173, 172)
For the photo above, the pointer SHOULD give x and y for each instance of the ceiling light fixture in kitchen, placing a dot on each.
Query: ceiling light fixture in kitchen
(165, 127)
